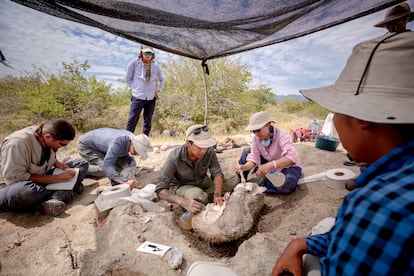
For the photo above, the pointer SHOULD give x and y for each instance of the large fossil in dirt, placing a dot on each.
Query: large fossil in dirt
(238, 218)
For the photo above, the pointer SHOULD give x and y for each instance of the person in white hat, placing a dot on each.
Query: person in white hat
(110, 152)
(271, 151)
(372, 101)
(146, 80)
(184, 175)
(396, 18)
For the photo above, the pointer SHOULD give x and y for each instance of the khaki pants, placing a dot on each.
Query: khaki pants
(205, 191)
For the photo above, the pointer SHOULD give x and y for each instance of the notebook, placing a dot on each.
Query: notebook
(68, 185)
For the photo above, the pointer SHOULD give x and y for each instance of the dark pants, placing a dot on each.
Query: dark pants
(134, 112)
(26, 195)
(292, 175)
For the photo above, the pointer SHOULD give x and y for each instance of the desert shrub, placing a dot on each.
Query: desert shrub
(291, 105)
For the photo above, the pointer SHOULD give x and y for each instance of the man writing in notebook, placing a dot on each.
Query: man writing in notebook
(27, 161)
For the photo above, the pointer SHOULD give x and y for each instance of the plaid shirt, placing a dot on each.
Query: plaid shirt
(374, 229)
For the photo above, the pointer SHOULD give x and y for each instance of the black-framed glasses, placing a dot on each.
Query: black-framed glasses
(198, 130)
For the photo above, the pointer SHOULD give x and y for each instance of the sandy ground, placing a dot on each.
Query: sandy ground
(83, 241)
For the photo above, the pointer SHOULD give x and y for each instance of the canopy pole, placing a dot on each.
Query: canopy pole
(205, 71)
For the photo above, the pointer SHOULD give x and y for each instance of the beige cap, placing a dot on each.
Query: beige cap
(147, 49)
(199, 135)
(258, 120)
(142, 144)
(386, 94)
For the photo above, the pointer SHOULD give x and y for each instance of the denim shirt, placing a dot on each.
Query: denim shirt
(113, 143)
(135, 78)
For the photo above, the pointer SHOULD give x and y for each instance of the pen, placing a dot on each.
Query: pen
(154, 246)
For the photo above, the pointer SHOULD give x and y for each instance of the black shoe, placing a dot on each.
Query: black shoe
(350, 161)
(78, 189)
(65, 196)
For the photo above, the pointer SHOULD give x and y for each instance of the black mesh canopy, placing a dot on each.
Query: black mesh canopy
(206, 29)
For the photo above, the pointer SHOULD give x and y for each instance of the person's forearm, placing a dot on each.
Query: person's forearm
(218, 184)
(120, 180)
(282, 162)
(248, 166)
(291, 258)
(52, 178)
(170, 197)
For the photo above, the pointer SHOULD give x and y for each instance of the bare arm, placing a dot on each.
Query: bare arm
(50, 179)
(281, 162)
(218, 183)
(245, 167)
(291, 258)
(189, 204)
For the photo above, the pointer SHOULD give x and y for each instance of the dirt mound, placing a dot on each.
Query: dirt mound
(83, 241)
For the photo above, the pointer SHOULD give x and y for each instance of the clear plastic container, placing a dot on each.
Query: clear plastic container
(315, 128)
(185, 220)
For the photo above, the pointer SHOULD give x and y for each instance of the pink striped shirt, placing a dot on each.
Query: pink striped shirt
(281, 146)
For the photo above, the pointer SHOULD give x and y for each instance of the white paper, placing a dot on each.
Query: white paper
(68, 185)
(153, 248)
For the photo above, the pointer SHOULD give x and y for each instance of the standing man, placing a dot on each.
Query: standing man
(27, 161)
(184, 175)
(142, 76)
(374, 229)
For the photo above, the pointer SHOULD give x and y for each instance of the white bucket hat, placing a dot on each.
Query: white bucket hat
(142, 144)
(199, 135)
(258, 120)
(377, 89)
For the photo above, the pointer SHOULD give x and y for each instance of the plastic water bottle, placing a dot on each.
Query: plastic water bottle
(185, 220)
(315, 128)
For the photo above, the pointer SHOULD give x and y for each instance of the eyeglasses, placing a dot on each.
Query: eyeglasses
(147, 53)
(61, 145)
(198, 130)
(257, 130)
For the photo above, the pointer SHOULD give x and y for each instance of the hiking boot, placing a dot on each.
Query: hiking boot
(65, 196)
(78, 189)
(53, 207)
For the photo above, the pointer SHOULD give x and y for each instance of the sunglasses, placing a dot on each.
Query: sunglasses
(198, 130)
(147, 54)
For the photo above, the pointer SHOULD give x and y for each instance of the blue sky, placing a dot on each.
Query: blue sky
(28, 37)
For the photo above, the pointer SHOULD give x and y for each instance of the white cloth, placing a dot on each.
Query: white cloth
(328, 126)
